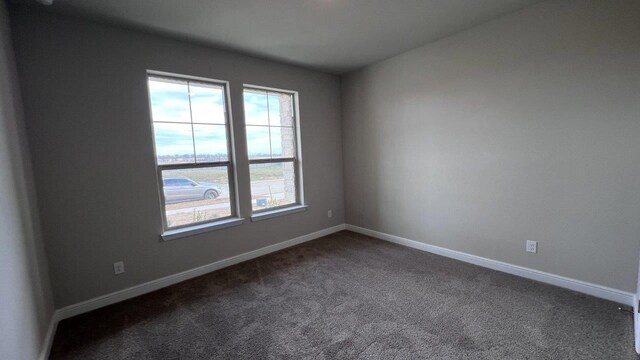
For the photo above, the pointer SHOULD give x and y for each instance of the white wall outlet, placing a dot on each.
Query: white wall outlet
(330, 213)
(532, 246)
(118, 267)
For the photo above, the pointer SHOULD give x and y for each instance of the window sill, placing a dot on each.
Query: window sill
(199, 229)
(278, 212)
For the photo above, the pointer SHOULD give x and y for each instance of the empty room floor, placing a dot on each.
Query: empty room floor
(350, 296)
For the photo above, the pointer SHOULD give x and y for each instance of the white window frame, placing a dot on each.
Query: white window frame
(170, 233)
(299, 205)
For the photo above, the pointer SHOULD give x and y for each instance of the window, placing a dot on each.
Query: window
(192, 147)
(270, 119)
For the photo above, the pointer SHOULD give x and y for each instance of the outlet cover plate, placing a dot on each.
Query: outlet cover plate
(118, 267)
(532, 246)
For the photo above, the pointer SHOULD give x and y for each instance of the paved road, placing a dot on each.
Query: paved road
(262, 188)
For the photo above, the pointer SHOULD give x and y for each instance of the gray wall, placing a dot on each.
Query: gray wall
(526, 127)
(86, 106)
(27, 302)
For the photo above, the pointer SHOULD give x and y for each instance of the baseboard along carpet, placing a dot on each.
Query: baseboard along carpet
(350, 296)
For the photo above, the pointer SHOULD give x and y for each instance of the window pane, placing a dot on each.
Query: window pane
(276, 143)
(196, 195)
(282, 142)
(272, 185)
(258, 144)
(255, 108)
(280, 109)
(169, 100)
(211, 143)
(207, 103)
(274, 109)
(174, 143)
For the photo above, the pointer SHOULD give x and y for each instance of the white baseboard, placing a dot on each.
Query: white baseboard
(153, 285)
(48, 339)
(584, 287)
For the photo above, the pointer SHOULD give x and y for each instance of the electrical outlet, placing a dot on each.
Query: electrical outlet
(330, 213)
(532, 246)
(118, 267)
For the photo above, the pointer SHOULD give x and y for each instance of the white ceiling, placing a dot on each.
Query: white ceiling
(330, 35)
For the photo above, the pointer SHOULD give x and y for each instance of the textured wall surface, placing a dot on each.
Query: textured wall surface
(88, 120)
(25, 295)
(525, 127)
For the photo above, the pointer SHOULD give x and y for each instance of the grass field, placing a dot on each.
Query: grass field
(219, 175)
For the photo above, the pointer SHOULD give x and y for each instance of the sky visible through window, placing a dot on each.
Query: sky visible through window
(190, 117)
(189, 121)
(263, 118)
(269, 124)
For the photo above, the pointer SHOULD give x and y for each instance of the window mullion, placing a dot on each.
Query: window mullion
(269, 123)
(193, 136)
(193, 166)
(271, 161)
